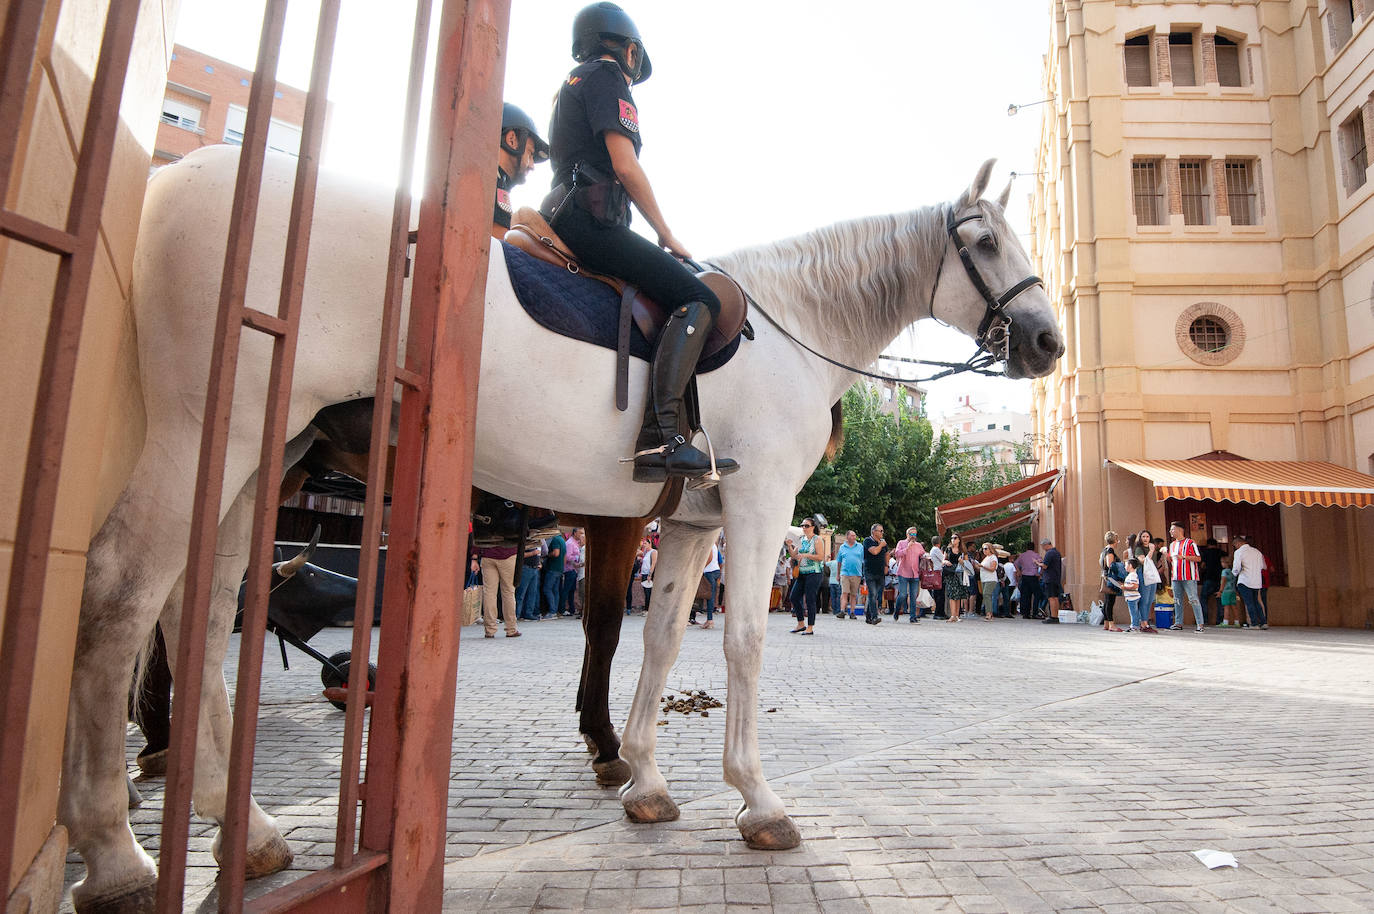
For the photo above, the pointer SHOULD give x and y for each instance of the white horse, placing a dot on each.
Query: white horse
(845, 291)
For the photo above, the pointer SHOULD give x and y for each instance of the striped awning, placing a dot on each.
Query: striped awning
(1006, 523)
(977, 507)
(1310, 483)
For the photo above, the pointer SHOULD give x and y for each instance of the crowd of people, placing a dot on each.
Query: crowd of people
(943, 578)
(1181, 575)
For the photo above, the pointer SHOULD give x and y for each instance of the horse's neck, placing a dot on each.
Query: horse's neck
(849, 289)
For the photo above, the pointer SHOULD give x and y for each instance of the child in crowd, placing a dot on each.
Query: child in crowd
(1131, 588)
(1228, 596)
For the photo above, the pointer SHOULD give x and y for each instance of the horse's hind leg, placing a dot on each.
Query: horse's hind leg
(129, 570)
(267, 851)
(613, 541)
(753, 536)
(645, 796)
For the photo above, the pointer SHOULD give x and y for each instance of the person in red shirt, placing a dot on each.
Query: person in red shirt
(1184, 559)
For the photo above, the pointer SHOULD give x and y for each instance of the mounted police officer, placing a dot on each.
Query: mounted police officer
(595, 140)
(521, 149)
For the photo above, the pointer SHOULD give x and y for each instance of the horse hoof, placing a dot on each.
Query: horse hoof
(612, 773)
(153, 765)
(136, 899)
(654, 807)
(272, 856)
(772, 835)
(135, 798)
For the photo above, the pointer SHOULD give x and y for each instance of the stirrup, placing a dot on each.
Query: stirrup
(712, 478)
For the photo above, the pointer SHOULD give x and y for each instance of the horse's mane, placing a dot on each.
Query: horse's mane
(851, 287)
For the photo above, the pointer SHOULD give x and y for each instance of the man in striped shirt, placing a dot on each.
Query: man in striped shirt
(1184, 559)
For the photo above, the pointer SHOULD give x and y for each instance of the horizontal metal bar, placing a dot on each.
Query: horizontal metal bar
(342, 888)
(267, 323)
(22, 228)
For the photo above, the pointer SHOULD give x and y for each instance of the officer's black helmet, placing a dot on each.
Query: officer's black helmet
(606, 20)
(513, 118)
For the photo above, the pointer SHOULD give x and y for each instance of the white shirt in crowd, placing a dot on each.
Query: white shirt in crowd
(1009, 569)
(713, 563)
(987, 569)
(1248, 563)
(937, 557)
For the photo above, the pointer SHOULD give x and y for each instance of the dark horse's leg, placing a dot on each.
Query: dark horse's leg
(613, 541)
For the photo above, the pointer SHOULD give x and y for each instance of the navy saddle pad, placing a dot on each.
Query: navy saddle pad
(580, 308)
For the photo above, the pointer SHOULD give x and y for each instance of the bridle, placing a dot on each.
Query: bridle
(994, 330)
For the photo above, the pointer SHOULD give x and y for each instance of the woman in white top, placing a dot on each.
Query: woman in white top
(987, 579)
(1149, 583)
(712, 575)
(646, 574)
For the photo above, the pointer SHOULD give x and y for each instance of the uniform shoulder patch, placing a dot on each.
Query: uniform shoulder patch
(574, 80)
(629, 117)
(503, 199)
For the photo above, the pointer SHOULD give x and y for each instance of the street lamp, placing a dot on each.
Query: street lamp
(1012, 109)
(1034, 443)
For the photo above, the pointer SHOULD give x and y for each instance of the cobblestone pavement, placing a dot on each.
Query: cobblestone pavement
(1004, 766)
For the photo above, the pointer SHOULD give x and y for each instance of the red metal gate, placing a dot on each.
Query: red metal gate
(395, 862)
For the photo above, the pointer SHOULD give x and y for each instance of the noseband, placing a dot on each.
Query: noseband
(994, 331)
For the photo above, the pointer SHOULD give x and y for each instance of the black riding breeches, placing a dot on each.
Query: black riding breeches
(619, 252)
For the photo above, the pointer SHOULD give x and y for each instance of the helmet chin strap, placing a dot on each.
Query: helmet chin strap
(621, 53)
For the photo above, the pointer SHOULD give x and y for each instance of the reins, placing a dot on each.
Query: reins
(994, 331)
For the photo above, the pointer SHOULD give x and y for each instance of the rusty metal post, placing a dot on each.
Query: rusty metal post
(219, 397)
(77, 246)
(346, 825)
(405, 802)
(285, 326)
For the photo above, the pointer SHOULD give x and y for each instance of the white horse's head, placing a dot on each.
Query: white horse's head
(1008, 301)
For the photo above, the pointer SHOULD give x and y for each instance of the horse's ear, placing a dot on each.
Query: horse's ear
(1005, 197)
(980, 184)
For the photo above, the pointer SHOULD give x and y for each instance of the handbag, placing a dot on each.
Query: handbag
(932, 579)
(472, 601)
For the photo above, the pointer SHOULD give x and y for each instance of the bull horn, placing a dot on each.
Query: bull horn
(291, 566)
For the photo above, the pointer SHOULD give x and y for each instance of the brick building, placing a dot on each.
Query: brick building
(207, 103)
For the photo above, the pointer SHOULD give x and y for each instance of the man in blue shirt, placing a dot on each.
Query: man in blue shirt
(553, 575)
(850, 555)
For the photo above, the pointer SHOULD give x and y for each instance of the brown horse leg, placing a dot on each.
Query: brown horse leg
(613, 541)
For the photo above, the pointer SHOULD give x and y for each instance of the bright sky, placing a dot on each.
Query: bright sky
(763, 118)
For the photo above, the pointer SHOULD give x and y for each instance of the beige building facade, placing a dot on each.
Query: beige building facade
(1203, 221)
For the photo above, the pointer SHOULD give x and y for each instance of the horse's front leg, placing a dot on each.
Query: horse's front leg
(753, 537)
(267, 850)
(683, 555)
(613, 541)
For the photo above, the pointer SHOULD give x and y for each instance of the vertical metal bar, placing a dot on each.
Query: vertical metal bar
(410, 747)
(18, 47)
(346, 825)
(52, 406)
(235, 839)
(205, 514)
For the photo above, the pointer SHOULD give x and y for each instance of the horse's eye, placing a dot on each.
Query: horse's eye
(988, 242)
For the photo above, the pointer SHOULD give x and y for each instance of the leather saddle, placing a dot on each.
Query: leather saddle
(531, 233)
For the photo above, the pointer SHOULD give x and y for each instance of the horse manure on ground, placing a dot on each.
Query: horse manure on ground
(690, 702)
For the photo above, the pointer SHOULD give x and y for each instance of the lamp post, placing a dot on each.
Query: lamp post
(1013, 108)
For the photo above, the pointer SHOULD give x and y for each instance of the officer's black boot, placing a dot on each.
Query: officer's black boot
(661, 450)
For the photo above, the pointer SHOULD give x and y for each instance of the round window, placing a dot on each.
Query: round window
(1210, 333)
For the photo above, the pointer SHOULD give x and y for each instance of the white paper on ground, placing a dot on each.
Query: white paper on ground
(1213, 859)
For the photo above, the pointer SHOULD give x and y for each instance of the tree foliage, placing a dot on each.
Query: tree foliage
(893, 470)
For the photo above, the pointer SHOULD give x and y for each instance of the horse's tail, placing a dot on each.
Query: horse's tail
(836, 442)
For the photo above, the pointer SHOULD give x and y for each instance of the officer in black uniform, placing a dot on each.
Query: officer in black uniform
(594, 139)
(521, 149)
